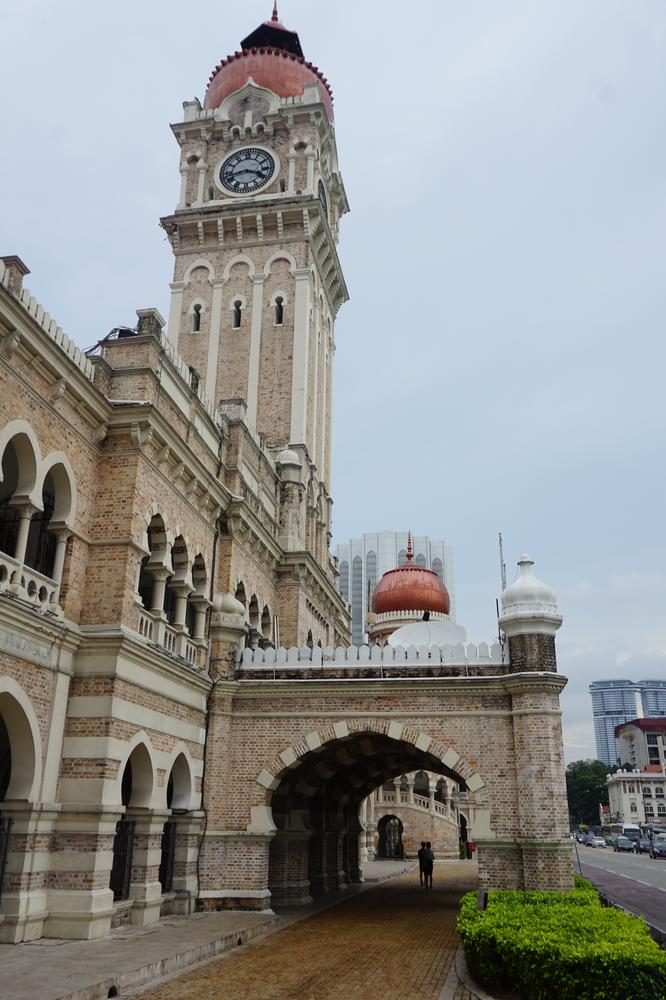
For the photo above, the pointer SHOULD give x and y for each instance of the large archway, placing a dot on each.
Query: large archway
(313, 802)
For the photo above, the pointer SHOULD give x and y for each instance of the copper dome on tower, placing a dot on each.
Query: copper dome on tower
(272, 56)
(410, 588)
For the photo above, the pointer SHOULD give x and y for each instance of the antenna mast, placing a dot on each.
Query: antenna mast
(502, 563)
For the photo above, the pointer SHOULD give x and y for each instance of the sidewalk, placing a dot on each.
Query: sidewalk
(52, 969)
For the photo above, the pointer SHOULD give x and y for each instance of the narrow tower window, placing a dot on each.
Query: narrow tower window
(279, 311)
(196, 318)
(238, 305)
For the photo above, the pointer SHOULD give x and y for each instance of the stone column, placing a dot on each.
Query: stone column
(255, 348)
(214, 338)
(410, 789)
(184, 174)
(25, 512)
(145, 888)
(233, 863)
(62, 535)
(299, 385)
(201, 605)
(188, 831)
(23, 905)
(175, 311)
(529, 620)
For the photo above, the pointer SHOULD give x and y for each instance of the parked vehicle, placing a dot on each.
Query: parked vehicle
(624, 844)
(658, 848)
(589, 840)
(643, 845)
(598, 842)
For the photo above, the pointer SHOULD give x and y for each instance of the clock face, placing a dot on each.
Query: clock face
(247, 170)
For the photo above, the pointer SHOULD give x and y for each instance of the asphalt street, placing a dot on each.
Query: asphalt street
(635, 881)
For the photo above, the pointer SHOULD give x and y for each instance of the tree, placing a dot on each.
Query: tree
(586, 788)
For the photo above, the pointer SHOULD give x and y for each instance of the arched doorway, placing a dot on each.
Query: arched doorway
(136, 789)
(390, 843)
(313, 804)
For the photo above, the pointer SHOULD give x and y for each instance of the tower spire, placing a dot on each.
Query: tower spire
(275, 12)
(410, 548)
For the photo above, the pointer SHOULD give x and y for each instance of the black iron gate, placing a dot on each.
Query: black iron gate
(5, 829)
(168, 855)
(121, 872)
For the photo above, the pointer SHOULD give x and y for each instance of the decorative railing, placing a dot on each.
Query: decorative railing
(172, 640)
(461, 659)
(418, 802)
(26, 583)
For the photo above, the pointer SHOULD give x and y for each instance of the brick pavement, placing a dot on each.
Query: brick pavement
(393, 941)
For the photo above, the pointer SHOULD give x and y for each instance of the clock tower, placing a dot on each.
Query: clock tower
(257, 281)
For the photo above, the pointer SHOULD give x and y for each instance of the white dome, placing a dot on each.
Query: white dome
(226, 604)
(527, 593)
(289, 457)
(435, 632)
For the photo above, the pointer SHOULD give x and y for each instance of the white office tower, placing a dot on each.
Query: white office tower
(653, 698)
(613, 702)
(363, 561)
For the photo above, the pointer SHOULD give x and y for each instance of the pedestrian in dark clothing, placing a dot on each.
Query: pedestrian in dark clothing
(421, 855)
(428, 862)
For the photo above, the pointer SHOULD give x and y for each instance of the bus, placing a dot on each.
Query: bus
(611, 831)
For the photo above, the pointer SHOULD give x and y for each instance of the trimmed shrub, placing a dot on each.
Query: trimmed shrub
(547, 945)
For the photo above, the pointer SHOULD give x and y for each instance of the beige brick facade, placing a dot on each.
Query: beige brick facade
(164, 503)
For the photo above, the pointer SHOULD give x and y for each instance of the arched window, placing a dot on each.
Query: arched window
(402, 557)
(344, 580)
(438, 568)
(238, 307)
(196, 318)
(279, 311)
(420, 561)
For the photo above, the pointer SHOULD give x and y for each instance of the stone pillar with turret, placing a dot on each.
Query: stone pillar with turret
(529, 620)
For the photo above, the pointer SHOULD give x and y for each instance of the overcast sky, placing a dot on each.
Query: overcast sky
(500, 364)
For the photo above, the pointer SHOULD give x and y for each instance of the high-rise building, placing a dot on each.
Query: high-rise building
(363, 561)
(653, 698)
(613, 702)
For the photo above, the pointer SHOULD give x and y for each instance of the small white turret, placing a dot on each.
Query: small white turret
(528, 605)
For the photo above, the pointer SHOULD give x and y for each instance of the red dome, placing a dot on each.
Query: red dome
(410, 588)
(273, 57)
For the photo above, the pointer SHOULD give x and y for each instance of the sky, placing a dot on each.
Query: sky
(500, 364)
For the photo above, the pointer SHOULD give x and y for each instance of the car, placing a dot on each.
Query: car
(589, 840)
(598, 842)
(643, 845)
(658, 848)
(623, 844)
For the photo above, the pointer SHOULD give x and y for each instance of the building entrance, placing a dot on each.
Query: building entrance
(390, 838)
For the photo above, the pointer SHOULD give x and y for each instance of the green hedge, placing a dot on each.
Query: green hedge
(567, 946)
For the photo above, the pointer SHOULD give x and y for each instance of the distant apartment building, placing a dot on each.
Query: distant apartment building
(613, 702)
(363, 561)
(641, 743)
(637, 797)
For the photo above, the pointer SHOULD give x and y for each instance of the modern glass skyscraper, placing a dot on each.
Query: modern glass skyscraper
(363, 561)
(613, 702)
(653, 698)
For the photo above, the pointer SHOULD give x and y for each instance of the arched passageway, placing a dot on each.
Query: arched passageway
(390, 830)
(315, 807)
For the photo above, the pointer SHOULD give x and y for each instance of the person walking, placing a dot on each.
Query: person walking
(421, 855)
(428, 863)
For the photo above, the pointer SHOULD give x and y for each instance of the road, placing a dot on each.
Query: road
(387, 943)
(635, 881)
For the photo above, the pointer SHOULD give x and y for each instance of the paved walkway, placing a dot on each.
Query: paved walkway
(390, 942)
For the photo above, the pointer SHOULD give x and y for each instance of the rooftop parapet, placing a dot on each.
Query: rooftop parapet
(9, 281)
(459, 660)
